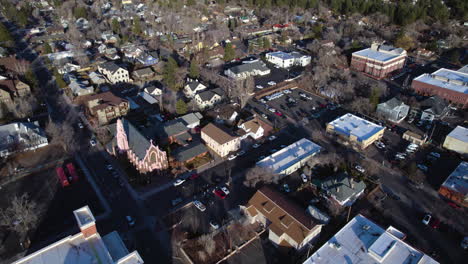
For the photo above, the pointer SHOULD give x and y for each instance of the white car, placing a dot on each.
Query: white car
(214, 225)
(413, 146)
(259, 87)
(287, 91)
(256, 145)
(225, 190)
(263, 101)
(92, 142)
(379, 145)
(271, 83)
(80, 125)
(199, 205)
(302, 95)
(359, 168)
(304, 177)
(179, 182)
(271, 138)
(232, 157)
(427, 219)
(271, 109)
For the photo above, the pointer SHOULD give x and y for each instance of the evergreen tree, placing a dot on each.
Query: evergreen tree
(266, 43)
(80, 12)
(4, 34)
(194, 72)
(136, 25)
(229, 52)
(31, 78)
(47, 48)
(374, 98)
(181, 107)
(170, 69)
(190, 2)
(59, 79)
(115, 26)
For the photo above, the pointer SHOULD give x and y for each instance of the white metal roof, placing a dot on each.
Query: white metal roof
(458, 179)
(377, 55)
(290, 155)
(448, 79)
(460, 133)
(362, 241)
(350, 124)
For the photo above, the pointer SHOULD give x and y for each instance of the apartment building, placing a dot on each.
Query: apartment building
(219, 140)
(379, 60)
(106, 106)
(114, 73)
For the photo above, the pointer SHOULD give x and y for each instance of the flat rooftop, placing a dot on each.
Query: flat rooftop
(362, 241)
(289, 155)
(377, 55)
(447, 79)
(281, 55)
(458, 179)
(460, 133)
(350, 124)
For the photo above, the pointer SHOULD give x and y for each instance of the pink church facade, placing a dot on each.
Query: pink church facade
(147, 157)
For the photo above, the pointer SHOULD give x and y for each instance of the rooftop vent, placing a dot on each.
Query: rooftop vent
(366, 227)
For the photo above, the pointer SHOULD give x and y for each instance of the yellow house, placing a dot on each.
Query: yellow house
(219, 140)
(355, 130)
(457, 140)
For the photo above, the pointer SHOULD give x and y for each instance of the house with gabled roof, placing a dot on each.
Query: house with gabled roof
(289, 225)
(342, 189)
(394, 110)
(141, 151)
(114, 73)
(221, 141)
(192, 88)
(208, 99)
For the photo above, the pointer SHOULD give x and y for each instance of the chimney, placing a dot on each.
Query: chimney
(86, 222)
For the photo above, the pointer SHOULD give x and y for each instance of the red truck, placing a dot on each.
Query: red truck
(62, 177)
(72, 172)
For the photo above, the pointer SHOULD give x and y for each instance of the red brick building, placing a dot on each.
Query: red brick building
(378, 60)
(447, 84)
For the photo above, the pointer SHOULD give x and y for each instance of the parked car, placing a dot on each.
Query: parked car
(80, 125)
(304, 177)
(219, 193)
(194, 175)
(271, 83)
(261, 157)
(434, 223)
(109, 167)
(435, 154)
(303, 95)
(263, 101)
(286, 188)
(426, 219)
(240, 153)
(232, 157)
(287, 91)
(271, 109)
(178, 182)
(92, 142)
(199, 205)
(130, 221)
(379, 145)
(359, 168)
(225, 190)
(278, 113)
(271, 138)
(256, 145)
(259, 87)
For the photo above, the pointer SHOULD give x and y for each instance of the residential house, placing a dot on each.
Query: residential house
(447, 84)
(143, 74)
(363, 241)
(394, 110)
(253, 128)
(378, 61)
(434, 108)
(9, 89)
(287, 60)
(355, 130)
(290, 158)
(85, 247)
(114, 73)
(246, 69)
(21, 136)
(109, 37)
(14, 65)
(106, 106)
(192, 88)
(341, 189)
(153, 91)
(209, 98)
(457, 140)
(175, 131)
(185, 154)
(142, 152)
(289, 226)
(97, 78)
(80, 87)
(219, 140)
(455, 187)
(191, 120)
(146, 59)
(224, 114)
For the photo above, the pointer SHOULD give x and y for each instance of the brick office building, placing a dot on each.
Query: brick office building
(447, 84)
(378, 60)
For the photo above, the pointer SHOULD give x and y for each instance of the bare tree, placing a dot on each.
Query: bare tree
(21, 215)
(190, 221)
(361, 105)
(24, 106)
(63, 134)
(208, 242)
(258, 175)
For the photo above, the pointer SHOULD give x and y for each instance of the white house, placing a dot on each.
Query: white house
(255, 68)
(208, 98)
(114, 73)
(191, 120)
(286, 60)
(154, 91)
(192, 88)
(21, 136)
(252, 128)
